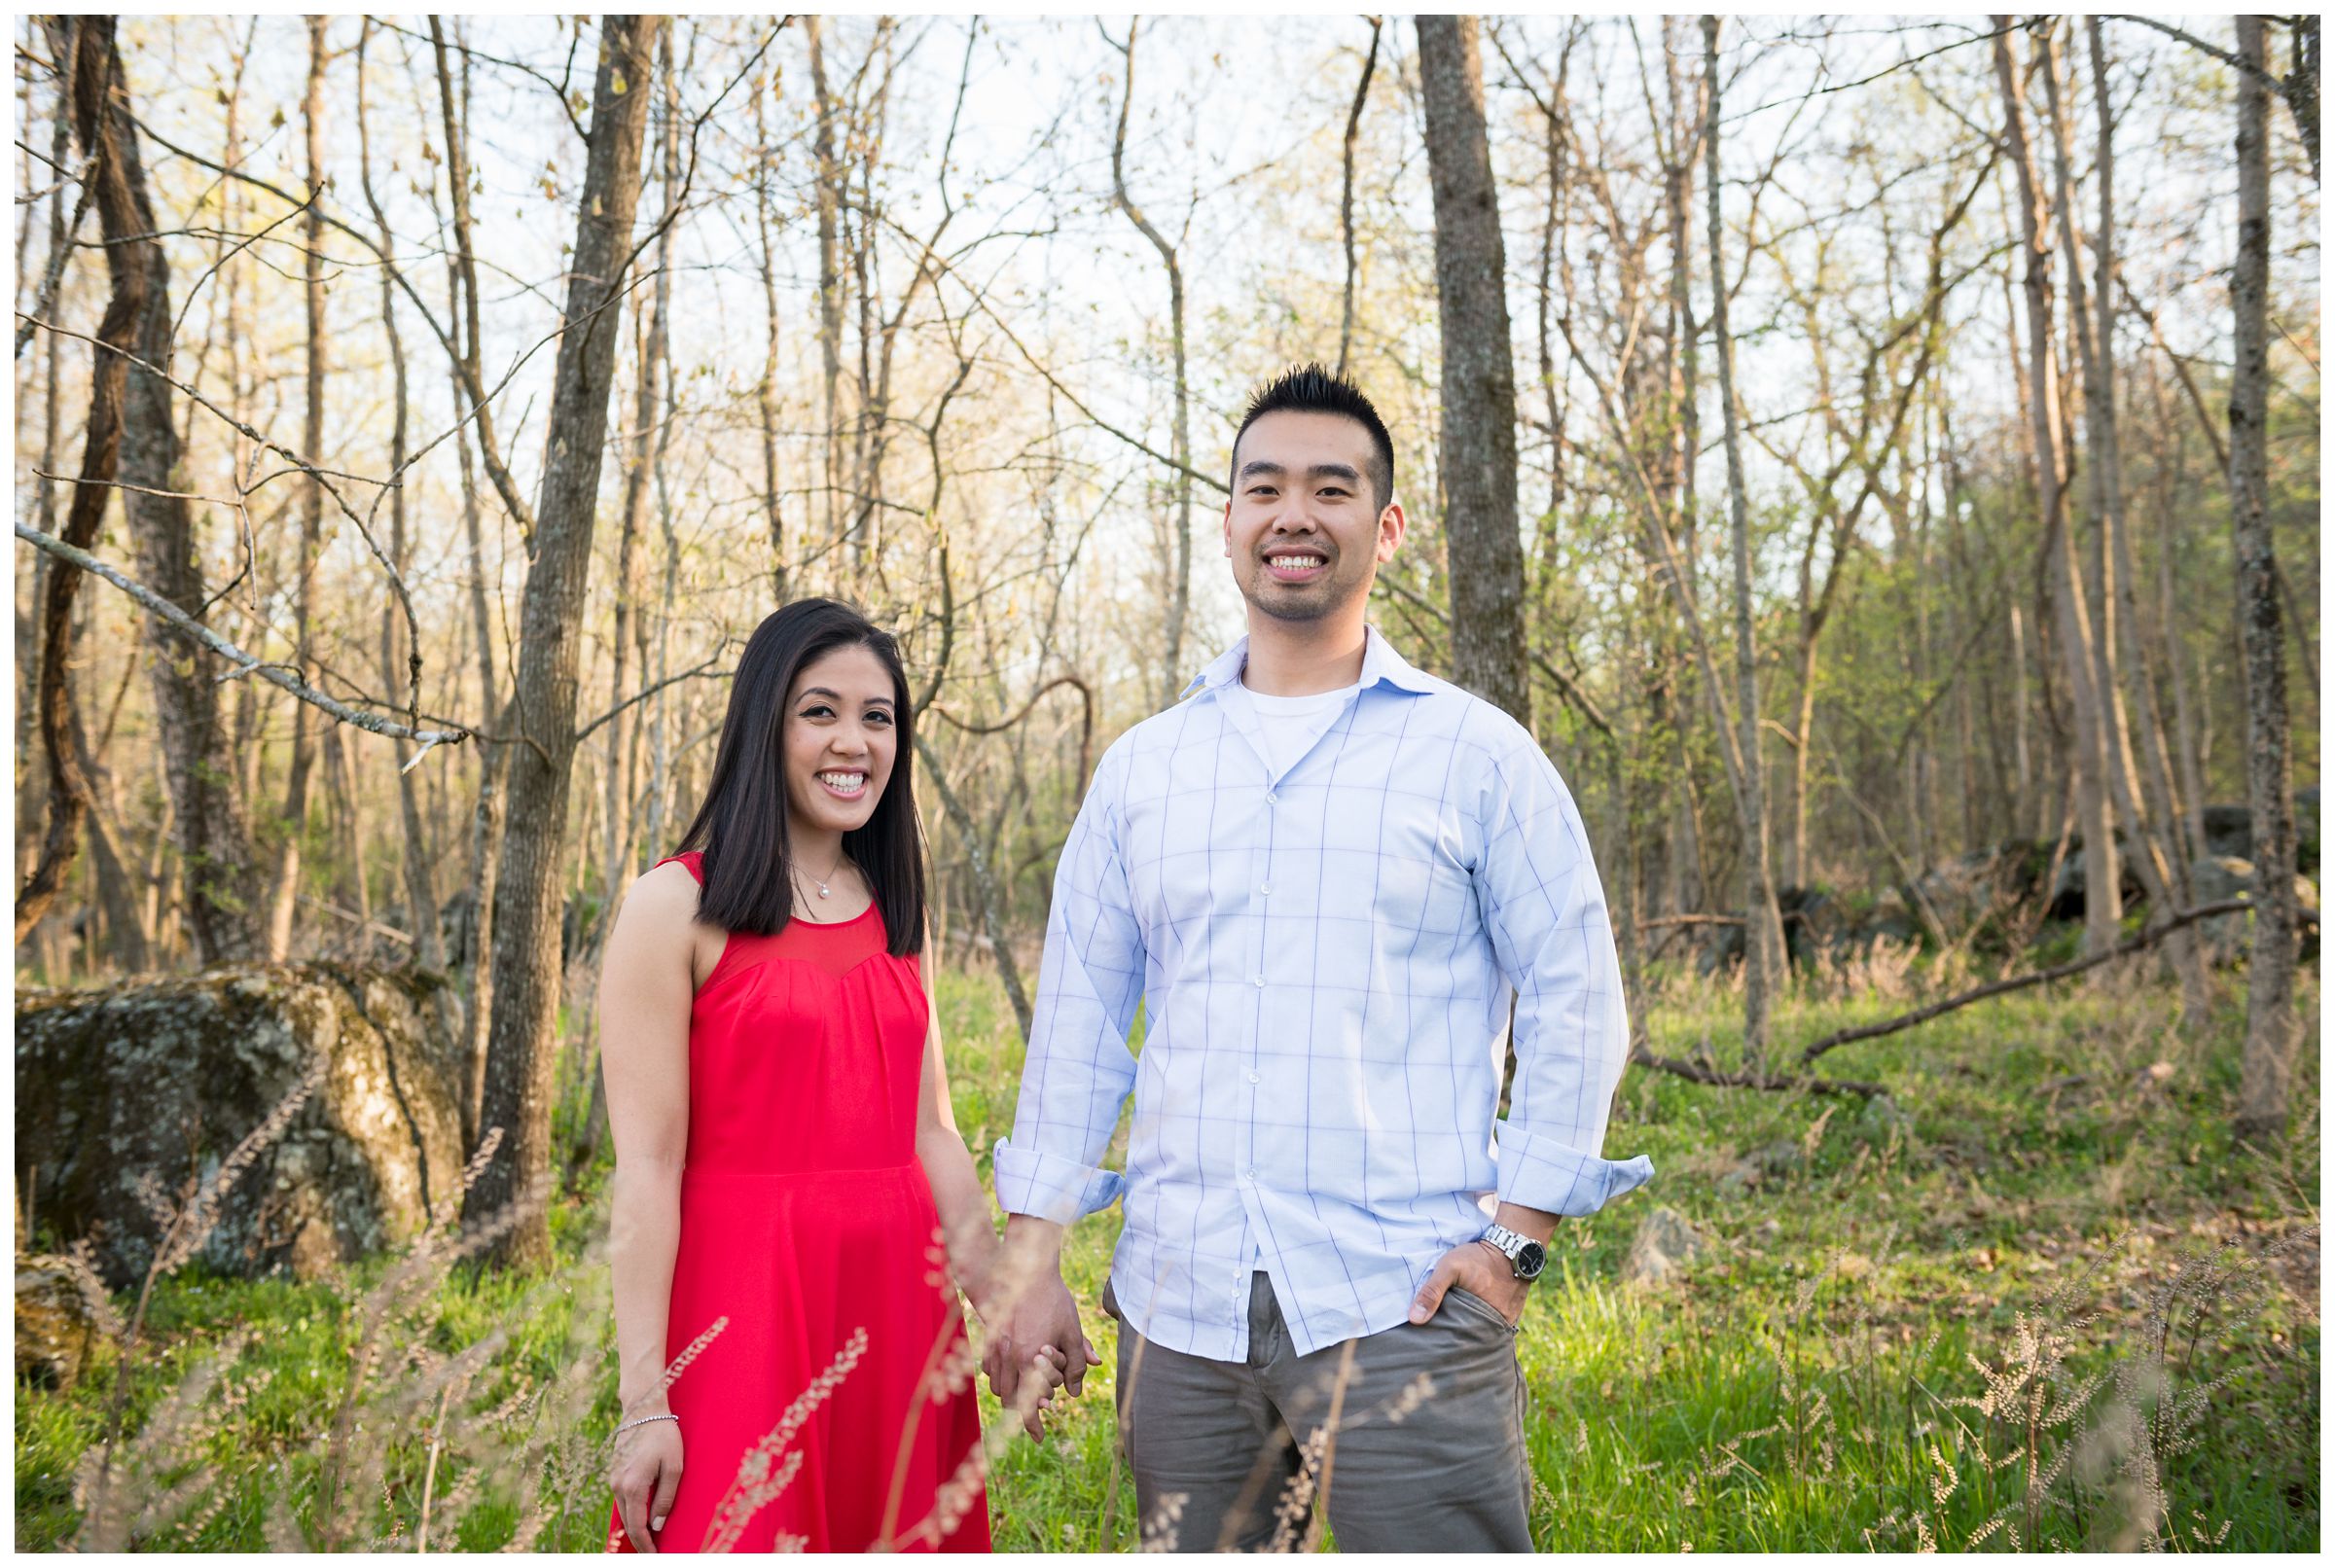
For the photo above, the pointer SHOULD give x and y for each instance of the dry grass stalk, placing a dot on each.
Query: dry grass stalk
(762, 1475)
(185, 1226)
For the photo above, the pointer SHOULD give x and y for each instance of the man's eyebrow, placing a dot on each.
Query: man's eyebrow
(1319, 471)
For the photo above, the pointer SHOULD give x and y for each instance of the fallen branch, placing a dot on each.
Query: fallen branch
(1697, 1073)
(2017, 982)
(243, 661)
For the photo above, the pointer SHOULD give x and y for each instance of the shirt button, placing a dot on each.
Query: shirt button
(1256, 1078)
(1263, 890)
(1259, 980)
(1271, 797)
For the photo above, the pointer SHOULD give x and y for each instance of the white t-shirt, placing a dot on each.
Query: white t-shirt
(1288, 726)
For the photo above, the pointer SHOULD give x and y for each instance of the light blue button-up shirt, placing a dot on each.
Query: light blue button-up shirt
(1325, 959)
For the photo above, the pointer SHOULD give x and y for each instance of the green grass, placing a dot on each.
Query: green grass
(2058, 1159)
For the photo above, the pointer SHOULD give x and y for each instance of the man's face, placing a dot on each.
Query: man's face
(1303, 534)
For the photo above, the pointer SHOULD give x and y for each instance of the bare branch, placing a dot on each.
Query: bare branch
(245, 663)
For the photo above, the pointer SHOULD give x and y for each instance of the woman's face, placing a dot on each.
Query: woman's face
(840, 739)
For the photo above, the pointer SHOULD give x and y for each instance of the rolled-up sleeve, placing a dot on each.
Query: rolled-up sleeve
(1079, 1071)
(1545, 912)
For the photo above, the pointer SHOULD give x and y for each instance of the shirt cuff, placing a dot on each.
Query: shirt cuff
(1538, 1172)
(1049, 1187)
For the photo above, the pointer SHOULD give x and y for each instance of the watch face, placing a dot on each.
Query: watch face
(1530, 1261)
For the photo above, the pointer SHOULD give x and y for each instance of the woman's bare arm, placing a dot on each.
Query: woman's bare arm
(966, 1229)
(647, 979)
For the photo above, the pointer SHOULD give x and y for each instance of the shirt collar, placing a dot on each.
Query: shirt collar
(1381, 665)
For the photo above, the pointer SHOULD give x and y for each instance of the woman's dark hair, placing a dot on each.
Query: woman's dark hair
(741, 827)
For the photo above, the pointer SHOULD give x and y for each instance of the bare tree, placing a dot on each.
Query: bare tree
(1486, 560)
(207, 822)
(1764, 932)
(521, 1045)
(2270, 1022)
(416, 858)
(1175, 553)
(2103, 904)
(1345, 189)
(284, 879)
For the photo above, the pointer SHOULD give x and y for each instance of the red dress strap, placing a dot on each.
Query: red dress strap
(693, 859)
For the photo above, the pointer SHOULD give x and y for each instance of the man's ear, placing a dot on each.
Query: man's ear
(1227, 530)
(1390, 530)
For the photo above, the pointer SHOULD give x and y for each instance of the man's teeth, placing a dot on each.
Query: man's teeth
(1297, 563)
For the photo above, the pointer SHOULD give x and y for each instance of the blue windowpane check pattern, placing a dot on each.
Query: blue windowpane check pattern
(1325, 960)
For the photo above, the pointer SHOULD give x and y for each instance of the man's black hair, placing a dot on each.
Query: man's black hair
(1315, 389)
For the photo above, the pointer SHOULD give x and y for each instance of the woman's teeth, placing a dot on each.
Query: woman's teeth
(844, 783)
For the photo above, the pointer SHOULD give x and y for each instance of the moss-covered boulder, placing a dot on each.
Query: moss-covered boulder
(156, 1080)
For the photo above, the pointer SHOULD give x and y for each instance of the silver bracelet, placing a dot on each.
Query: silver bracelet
(644, 1421)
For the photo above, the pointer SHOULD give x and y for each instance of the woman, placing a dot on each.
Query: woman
(786, 1163)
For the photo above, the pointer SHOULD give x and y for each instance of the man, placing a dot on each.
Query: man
(1322, 876)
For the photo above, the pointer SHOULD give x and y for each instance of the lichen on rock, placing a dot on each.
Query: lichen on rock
(156, 1080)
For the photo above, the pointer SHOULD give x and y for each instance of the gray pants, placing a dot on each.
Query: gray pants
(1217, 1448)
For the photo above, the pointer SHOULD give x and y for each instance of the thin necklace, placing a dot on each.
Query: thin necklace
(822, 881)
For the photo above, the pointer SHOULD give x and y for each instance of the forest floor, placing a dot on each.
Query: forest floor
(2035, 1297)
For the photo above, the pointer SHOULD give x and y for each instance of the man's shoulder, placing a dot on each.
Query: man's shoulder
(1198, 716)
(1465, 720)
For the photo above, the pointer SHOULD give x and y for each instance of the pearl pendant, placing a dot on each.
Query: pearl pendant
(822, 890)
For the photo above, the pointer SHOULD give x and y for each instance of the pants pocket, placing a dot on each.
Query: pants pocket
(1475, 1306)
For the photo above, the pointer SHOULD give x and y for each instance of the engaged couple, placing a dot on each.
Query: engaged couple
(1331, 886)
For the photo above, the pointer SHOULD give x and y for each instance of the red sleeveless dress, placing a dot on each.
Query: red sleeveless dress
(834, 1410)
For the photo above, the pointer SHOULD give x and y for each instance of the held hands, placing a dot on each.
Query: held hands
(645, 1474)
(1035, 1344)
(1480, 1269)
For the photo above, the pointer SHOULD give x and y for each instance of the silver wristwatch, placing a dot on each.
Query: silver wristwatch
(1525, 1255)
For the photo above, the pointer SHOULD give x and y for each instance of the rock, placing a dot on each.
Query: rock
(2228, 832)
(155, 1080)
(2068, 888)
(55, 1335)
(2216, 877)
(1665, 1244)
(1810, 920)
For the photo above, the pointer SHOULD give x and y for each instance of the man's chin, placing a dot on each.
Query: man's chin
(1296, 607)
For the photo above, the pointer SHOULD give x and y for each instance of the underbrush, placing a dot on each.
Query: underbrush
(2034, 1298)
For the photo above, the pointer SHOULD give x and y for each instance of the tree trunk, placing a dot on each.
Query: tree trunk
(828, 201)
(521, 1050)
(2102, 903)
(766, 391)
(1486, 560)
(1175, 553)
(214, 850)
(284, 881)
(2145, 836)
(1763, 929)
(89, 62)
(2269, 1017)
(617, 813)
(415, 860)
(1346, 190)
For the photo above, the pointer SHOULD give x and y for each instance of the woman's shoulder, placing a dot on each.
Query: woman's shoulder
(669, 888)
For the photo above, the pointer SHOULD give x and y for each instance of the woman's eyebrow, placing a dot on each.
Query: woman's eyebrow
(810, 691)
